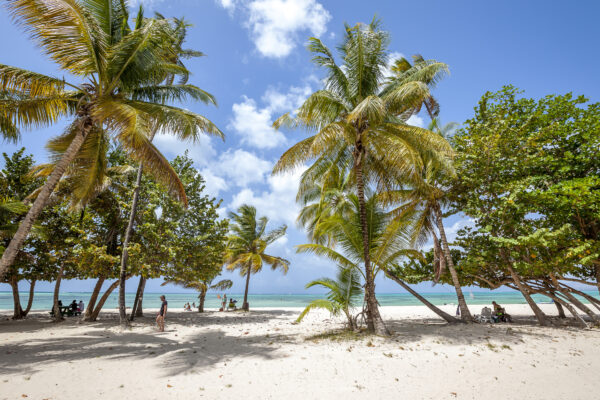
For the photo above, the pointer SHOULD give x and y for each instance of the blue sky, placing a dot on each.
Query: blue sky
(258, 68)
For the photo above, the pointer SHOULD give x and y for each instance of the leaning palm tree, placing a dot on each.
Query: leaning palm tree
(343, 295)
(247, 243)
(425, 202)
(203, 287)
(116, 69)
(360, 122)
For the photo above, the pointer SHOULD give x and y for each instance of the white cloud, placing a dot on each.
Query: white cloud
(415, 120)
(214, 184)
(242, 167)
(201, 152)
(276, 24)
(278, 202)
(254, 124)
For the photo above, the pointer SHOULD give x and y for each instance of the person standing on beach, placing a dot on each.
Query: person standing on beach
(162, 313)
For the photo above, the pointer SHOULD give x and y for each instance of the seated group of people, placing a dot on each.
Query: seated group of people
(228, 306)
(72, 309)
(188, 307)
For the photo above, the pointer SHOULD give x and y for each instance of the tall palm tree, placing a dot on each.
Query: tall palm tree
(117, 70)
(425, 202)
(360, 122)
(343, 294)
(247, 243)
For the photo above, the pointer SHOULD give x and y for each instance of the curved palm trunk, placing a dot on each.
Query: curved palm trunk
(57, 314)
(465, 313)
(94, 297)
(103, 299)
(16, 243)
(30, 299)
(202, 298)
(245, 306)
(444, 315)
(17, 310)
(374, 321)
(539, 314)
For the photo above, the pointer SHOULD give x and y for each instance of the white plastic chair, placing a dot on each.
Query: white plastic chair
(485, 316)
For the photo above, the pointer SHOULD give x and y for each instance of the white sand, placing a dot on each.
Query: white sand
(262, 355)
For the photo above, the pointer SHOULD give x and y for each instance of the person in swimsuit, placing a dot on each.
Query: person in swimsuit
(162, 313)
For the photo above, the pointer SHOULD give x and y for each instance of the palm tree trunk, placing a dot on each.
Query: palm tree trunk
(92, 303)
(202, 298)
(136, 301)
(17, 310)
(245, 306)
(374, 321)
(465, 313)
(16, 243)
(30, 299)
(539, 314)
(57, 313)
(139, 311)
(103, 299)
(444, 315)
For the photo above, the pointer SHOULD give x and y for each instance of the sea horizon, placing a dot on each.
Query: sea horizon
(43, 300)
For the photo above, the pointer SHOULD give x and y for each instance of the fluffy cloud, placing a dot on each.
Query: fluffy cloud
(201, 152)
(254, 124)
(416, 121)
(278, 202)
(243, 168)
(275, 24)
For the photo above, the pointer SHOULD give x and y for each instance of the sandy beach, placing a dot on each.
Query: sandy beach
(263, 355)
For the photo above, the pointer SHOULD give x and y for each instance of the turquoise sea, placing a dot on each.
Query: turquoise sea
(43, 300)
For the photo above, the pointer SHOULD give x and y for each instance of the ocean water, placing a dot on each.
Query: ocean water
(43, 300)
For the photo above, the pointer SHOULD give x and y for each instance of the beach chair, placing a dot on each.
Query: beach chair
(485, 316)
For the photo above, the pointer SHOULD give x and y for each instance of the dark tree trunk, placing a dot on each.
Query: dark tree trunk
(92, 303)
(57, 313)
(102, 300)
(202, 298)
(465, 313)
(245, 306)
(136, 301)
(17, 310)
(574, 300)
(139, 311)
(444, 315)
(597, 276)
(374, 321)
(16, 243)
(30, 299)
(594, 301)
(539, 314)
(560, 309)
(571, 309)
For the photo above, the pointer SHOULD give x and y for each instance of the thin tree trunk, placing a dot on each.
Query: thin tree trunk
(444, 315)
(571, 309)
(465, 313)
(92, 302)
(57, 313)
(597, 276)
(139, 311)
(594, 301)
(539, 314)
(136, 301)
(103, 299)
(202, 298)
(374, 321)
(128, 232)
(245, 306)
(560, 309)
(17, 310)
(16, 243)
(30, 299)
(574, 300)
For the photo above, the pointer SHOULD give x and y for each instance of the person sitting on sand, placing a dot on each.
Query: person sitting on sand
(80, 306)
(162, 313)
(73, 306)
(500, 314)
(232, 305)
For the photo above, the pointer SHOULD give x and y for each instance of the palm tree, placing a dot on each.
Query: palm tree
(426, 200)
(390, 240)
(360, 124)
(203, 287)
(343, 294)
(247, 243)
(118, 69)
